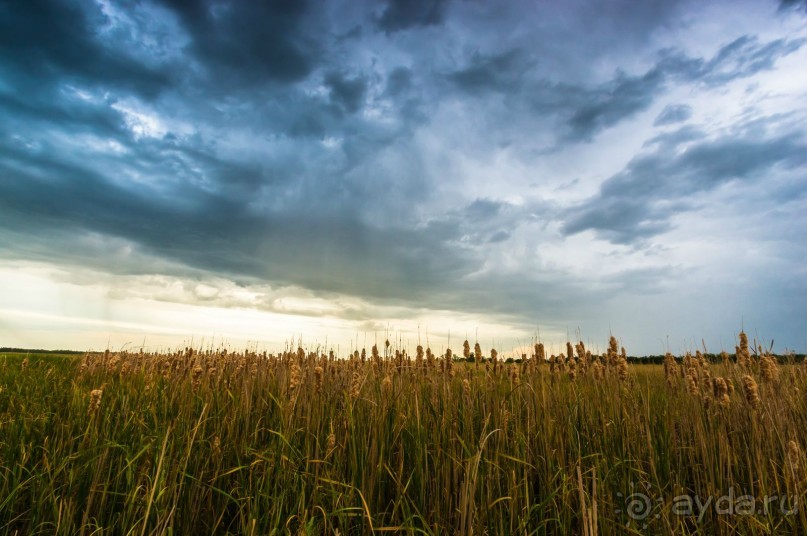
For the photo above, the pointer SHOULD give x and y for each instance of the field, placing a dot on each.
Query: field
(205, 441)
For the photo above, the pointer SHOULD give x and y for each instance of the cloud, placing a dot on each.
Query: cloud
(331, 148)
(672, 114)
(502, 72)
(347, 93)
(401, 15)
(241, 45)
(48, 40)
(792, 4)
(640, 201)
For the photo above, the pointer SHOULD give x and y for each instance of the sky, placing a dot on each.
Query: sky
(340, 172)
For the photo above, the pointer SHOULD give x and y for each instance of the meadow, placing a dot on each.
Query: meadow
(216, 441)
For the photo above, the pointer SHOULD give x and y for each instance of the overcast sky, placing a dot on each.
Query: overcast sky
(343, 171)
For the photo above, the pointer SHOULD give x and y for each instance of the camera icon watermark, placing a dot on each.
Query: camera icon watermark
(641, 507)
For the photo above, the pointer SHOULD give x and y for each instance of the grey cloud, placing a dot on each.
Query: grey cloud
(640, 201)
(500, 72)
(347, 93)
(626, 95)
(482, 209)
(263, 168)
(398, 81)
(404, 14)
(672, 114)
(244, 44)
(219, 229)
(47, 40)
(499, 236)
(793, 4)
(745, 57)
(622, 98)
(586, 111)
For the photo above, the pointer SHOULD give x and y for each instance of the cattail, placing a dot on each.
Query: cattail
(724, 356)
(768, 369)
(572, 371)
(494, 356)
(598, 370)
(794, 457)
(318, 371)
(741, 351)
(95, 401)
(622, 367)
(751, 391)
(692, 381)
(560, 362)
(331, 444)
(113, 363)
(197, 377)
(466, 389)
(477, 352)
(516, 377)
(670, 367)
(216, 449)
(580, 348)
(24, 364)
(355, 386)
(721, 391)
(294, 377)
(613, 352)
(466, 350)
(540, 353)
(386, 385)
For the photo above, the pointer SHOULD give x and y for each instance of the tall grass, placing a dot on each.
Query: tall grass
(301, 442)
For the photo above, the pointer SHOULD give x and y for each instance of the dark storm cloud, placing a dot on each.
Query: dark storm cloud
(47, 40)
(640, 201)
(248, 43)
(404, 14)
(347, 93)
(210, 232)
(673, 113)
